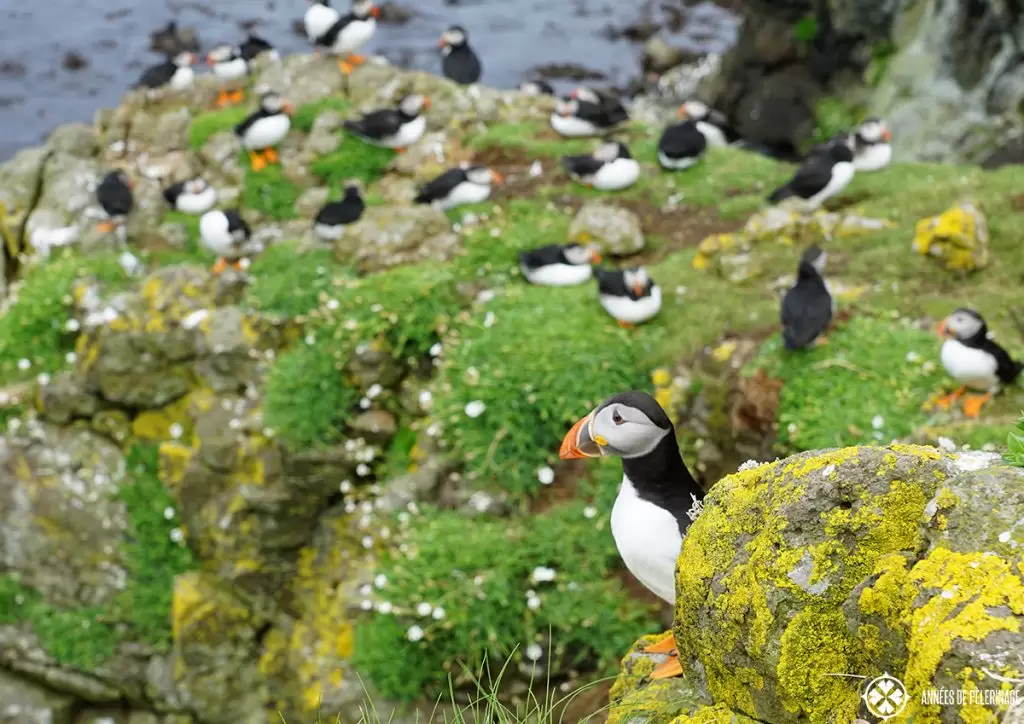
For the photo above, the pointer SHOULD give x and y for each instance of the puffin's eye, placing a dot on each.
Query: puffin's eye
(617, 418)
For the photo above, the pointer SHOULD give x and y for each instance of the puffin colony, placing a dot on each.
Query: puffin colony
(658, 498)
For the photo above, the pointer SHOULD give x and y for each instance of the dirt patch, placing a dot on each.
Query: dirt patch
(1017, 202)
(846, 200)
(566, 487)
(514, 164)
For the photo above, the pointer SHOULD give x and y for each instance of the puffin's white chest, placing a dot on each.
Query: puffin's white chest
(713, 135)
(231, 70)
(677, 164)
(267, 132)
(626, 309)
(571, 126)
(466, 192)
(842, 174)
(648, 539)
(182, 78)
(408, 134)
(618, 174)
(873, 158)
(213, 230)
(354, 36)
(558, 275)
(197, 203)
(318, 20)
(969, 366)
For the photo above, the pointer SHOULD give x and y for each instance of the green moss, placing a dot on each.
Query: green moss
(355, 159)
(271, 193)
(33, 326)
(834, 116)
(1015, 446)
(209, 124)
(517, 366)
(835, 394)
(807, 28)
(306, 115)
(287, 281)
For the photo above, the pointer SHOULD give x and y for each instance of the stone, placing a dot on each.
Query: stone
(615, 230)
(309, 204)
(22, 702)
(389, 236)
(659, 55)
(860, 560)
(958, 238)
(65, 399)
(325, 136)
(377, 425)
(220, 156)
(303, 79)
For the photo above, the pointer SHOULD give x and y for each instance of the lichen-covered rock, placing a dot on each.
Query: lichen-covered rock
(389, 236)
(325, 136)
(613, 229)
(958, 237)
(855, 561)
(64, 399)
(22, 702)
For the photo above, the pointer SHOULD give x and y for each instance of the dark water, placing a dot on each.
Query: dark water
(512, 37)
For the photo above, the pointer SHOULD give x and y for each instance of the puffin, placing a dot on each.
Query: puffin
(712, 124)
(460, 63)
(115, 197)
(393, 128)
(336, 215)
(193, 196)
(318, 19)
(681, 145)
(254, 46)
(658, 498)
(609, 168)
(349, 33)
(608, 106)
(629, 295)
(175, 73)
(459, 186)
(871, 145)
(230, 67)
(974, 360)
(819, 177)
(226, 234)
(264, 129)
(808, 306)
(559, 265)
(536, 87)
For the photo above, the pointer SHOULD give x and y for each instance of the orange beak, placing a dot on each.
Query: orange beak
(497, 177)
(886, 135)
(682, 112)
(638, 289)
(288, 108)
(375, 11)
(427, 103)
(941, 329)
(442, 43)
(595, 257)
(210, 60)
(131, 183)
(578, 442)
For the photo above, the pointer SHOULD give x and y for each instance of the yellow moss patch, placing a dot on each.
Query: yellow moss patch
(155, 425)
(174, 457)
(718, 714)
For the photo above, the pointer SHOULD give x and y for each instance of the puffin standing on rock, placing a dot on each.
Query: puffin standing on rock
(175, 73)
(231, 68)
(819, 178)
(226, 234)
(395, 128)
(194, 196)
(609, 168)
(559, 265)
(459, 186)
(349, 33)
(629, 295)
(115, 197)
(807, 307)
(974, 360)
(658, 498)
(332, 219)
(264, 129)
(254, 46)
(460, 63)
(712, 124)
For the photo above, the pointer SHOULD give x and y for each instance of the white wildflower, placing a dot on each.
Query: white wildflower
(426, 398)
(533, 603)
(362, 470)
(71, 358)
(365, 403)
(536, 169)
(475, 408)
(878, 422)
(350, 506)
(489, 319)
(176, 430)
(168, 513)
(1004, 537)
(542, 574)
(435, 350)
(374, 391)
(485, 295)
(946, 444)
(424, 609)
(913, 356)
(72, 325)
(43, 379)
(366, 589)
(24, 364)
(310, 339)
(534, 652)
(367, 604)
(384, 607)
(345, 487)
(545, 475)
(478, 580)
(414, 634)
(749, 465)
(791, 428)
(195, 318)
(177, 535)
(333, 304)
(367, 541)
(590, 512)
(130, 263)
(380, 580)
(437, 614)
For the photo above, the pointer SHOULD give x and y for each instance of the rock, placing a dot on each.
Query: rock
(325, 137)
(865, 560)
(73, 139)
(397, 190)
(376, 425)
(22, 702)
(65, 399)
(388, 236)
(659, 56)
(615, 230)
(220, 155)
(958, 237)
(309, 204)
(432, 156)
(304, 79)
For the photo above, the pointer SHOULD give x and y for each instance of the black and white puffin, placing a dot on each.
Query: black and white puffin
(318, 19)
(349, 33)
(807, 307)
(536, 87)
(559, 265)
(658, 498)
(629, 295)
(231, 69)
(871, 145)
(264, 129)
(396, 128)
(115, 197)
(459, 186)
(459, 62)
(226, 234)
(974, 360)
(336, 215)
(254, 46)
(175, 73)
(711, 123)
(609, 106)
(681, 145)
(819, 178)
(609, 168)
(194, 196)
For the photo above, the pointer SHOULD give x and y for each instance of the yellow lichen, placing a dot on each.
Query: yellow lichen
(713, 715)
(155, 425)
(174, 457)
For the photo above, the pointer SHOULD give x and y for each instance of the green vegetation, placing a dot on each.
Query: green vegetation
(1015, 445)
(834, 116)
(86, 637)
(807, 28)
(306, 115)
(270, 192)
(206, 125)
(488, 581)
(355, 159)
(288, 282)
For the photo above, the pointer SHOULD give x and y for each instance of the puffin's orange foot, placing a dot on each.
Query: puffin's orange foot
(625, 325)
(399, 150)
(223, 98)
(345, 66)
(237, 265)
(974, 403)
(105, 227)
(945, 401)
(257, 161)
(668, 668)
(355, 59)
(665, 645)
(220, 266)
(271, 155)
(822, 340)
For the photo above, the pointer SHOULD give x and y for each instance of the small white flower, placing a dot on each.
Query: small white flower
(426, 398)
(43, 379)
(437, 614)
(310, 339)
(946, 444)
(435, 350)
(542, 574)
(533, 603)
(412, 507)
(333, 304)
(791, 428)
(475, 408)
(1004, 537)
(536, 169)
(24, 364)
(176, 430)
(362, 470)
(365, 403)
(130, 263)
(367, 541)
(377, 308)
(424, 609)
(495, 233)
(749, 465)
(489, 319)
(404, 518)
(350, 506)
(414, 634)
(72, 325)
(177, 535)
(878, 422)
(345, 487)
(478, 580)
(928, 366)
(366, 589)
(367, 604)
(680, 291)
(485, 295)
(168, 513)
(545, 475)
(380, 580)
(534, 652)
(913, 356)
(374, 391)
(384, 607)
(589, 512)
(71, 358)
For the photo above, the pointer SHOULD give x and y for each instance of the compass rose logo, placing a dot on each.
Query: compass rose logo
(885, 696)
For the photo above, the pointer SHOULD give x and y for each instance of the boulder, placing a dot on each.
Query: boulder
(389, 236)
(857, 562)
(958, 238)
(22, 702)
(615, 230)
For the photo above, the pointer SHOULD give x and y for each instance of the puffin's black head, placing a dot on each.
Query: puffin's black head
(630, 424)
(272, 103)
(814, 257)
(119, 177)
(453, 37)
(874, 130)
(352, 192)
(962, 324)
(364, 9)
(222, 54)
(580, 255)
(840, 153)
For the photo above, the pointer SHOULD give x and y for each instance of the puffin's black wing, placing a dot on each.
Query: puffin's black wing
(613, 110)
(582, 166)
(337, 213)
(237, 227)
(806, 312)
(157, 76)
(441, 186)
(377, 124)
(812, 176)
(592, 113)
(682, 140)
(172, 192)
(542, 256)
(719, 121)
(611, 282)
(330, 37)
(114, 196)
(253, 46)
(242, 128)
(1007, 370)
(462, 66)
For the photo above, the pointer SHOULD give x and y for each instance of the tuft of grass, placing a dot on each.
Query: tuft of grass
(209, 124)
(355, 159)
(866, 386)
(833, 116)
(287, 281)
(538, 359)
(271, 193)
(306, 115)
(494, 607)
(1015, 445)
